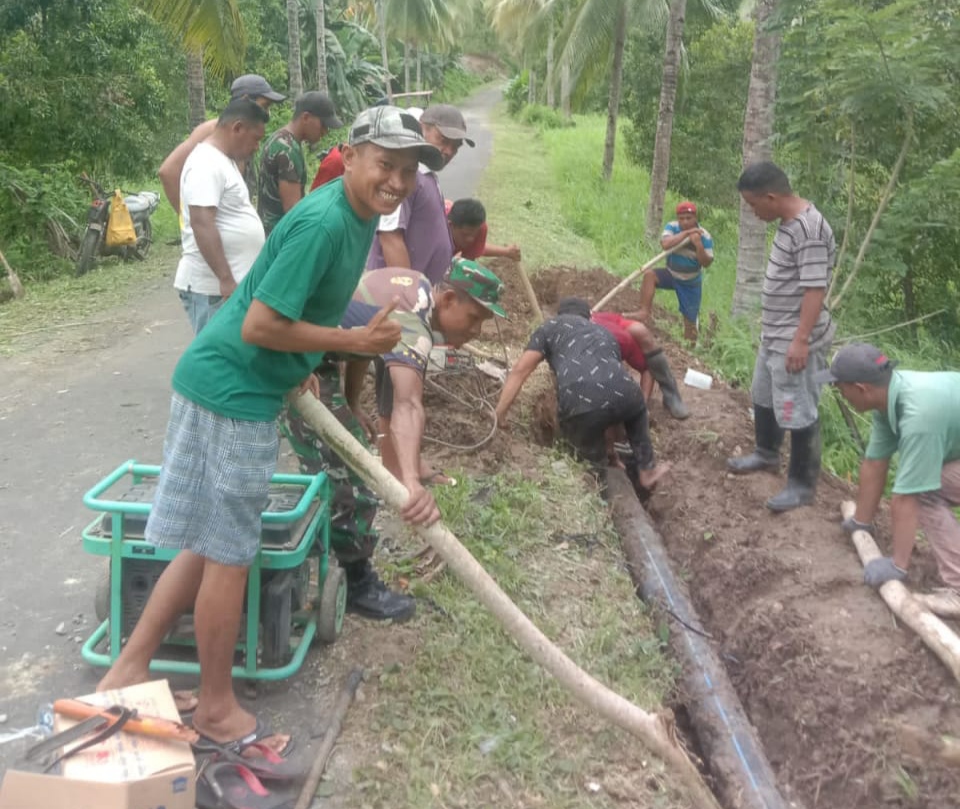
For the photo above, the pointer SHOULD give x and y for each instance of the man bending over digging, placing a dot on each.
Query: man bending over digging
(594, 391)
(220, 450)
(456, 307)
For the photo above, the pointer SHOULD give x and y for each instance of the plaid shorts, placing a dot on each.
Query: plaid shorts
(214, 484)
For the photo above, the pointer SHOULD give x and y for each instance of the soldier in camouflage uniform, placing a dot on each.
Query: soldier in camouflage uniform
(282, 174)
(456, 307)
(354, 506)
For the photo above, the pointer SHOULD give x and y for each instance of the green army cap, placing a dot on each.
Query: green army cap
(478, 282)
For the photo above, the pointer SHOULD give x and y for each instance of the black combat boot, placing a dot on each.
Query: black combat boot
(659, 367)
(769, 437)
(369, 597)
(803, 471)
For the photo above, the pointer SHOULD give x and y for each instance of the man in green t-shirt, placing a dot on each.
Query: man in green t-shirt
(917, 416)
(220, 449)
(282, 175)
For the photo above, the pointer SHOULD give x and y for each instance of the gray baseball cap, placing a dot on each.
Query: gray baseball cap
(254, 86)
(858, 362)
(449, 120)
(394, 128)
(319, 106)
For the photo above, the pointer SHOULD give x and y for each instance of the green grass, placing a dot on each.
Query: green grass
(524, 200)
(472, 718)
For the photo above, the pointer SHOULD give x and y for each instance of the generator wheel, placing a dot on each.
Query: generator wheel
(333, 605)
(101, 596)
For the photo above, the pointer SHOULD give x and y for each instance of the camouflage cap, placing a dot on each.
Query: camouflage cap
(478, 282)
(394, 128)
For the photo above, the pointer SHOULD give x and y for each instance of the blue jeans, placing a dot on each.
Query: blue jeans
(199, 308)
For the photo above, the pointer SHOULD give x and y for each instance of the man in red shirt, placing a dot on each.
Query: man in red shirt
(330, 167)
(468, 227)
(640, 351)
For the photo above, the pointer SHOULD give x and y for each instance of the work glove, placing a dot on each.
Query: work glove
(882, 570)
(852, 524)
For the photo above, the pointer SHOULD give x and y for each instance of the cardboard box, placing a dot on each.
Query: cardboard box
(126, 771)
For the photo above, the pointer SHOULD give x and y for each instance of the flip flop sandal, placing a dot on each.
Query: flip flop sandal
(257, 736)
(266, 764)
(234, 786)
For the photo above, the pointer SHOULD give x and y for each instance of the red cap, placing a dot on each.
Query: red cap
(686, 207)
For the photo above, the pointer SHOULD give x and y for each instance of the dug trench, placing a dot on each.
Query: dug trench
(831, 682)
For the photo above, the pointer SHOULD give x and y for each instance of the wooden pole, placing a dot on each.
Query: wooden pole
(347, 693)
(531, 294)
(623, 284)
(656, 731)
(940, 639)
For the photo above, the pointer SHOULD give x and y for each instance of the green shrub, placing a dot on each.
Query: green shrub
(542, 117)
(516, 93)
(42, 210)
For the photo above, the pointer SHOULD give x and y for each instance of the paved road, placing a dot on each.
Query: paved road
(69, 414)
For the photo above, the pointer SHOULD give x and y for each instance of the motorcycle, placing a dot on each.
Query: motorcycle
(94, 244)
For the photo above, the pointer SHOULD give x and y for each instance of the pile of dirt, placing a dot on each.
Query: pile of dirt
(825, 674)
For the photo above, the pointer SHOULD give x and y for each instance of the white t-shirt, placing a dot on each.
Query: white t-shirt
(210, 179)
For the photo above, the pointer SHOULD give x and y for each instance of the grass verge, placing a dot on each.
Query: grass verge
(472, 721)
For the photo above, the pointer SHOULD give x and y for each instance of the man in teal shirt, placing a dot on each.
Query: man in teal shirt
(220, 449)
(916, 415)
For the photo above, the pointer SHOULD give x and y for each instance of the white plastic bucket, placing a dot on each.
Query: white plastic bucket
(695, 379)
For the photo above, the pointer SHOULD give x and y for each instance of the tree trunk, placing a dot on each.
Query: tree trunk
(668, 96)
(532, 87)
(381, 6)
(616, 80)
(294, 69)
(551, 98)
(757, 129)
(419, 68)
(566, 89)
(406, 67)
(321, 19)
(196, 95)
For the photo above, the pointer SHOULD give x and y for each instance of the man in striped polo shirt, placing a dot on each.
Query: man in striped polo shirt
(796, 333)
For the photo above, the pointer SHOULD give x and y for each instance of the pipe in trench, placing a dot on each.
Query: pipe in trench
(734, 753)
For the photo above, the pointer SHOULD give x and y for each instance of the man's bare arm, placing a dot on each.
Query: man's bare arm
(203, 221)
(290, 194)
(266, 327)
(395, 253)
(171, 168)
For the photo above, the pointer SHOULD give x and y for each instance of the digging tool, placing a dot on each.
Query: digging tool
(626, 281)
(155, 726)
(344, 701)
(941, 640)
(656, 731)
(531, 295)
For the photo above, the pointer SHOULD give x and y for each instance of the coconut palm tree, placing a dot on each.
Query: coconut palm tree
(212, 35)
(419, 21)
(294, 62)
(595, 36)
(757, 132)
(320, 17)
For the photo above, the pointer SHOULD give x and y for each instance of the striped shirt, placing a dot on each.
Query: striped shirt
(801, 258)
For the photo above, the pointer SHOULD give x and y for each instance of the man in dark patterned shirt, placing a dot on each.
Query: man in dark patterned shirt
(796, 333)
(282, 175)
(594, 392)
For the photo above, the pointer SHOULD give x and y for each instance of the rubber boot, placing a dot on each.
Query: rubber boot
(769, 437)
(803, 471)
(369, 597)
(659, 367)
